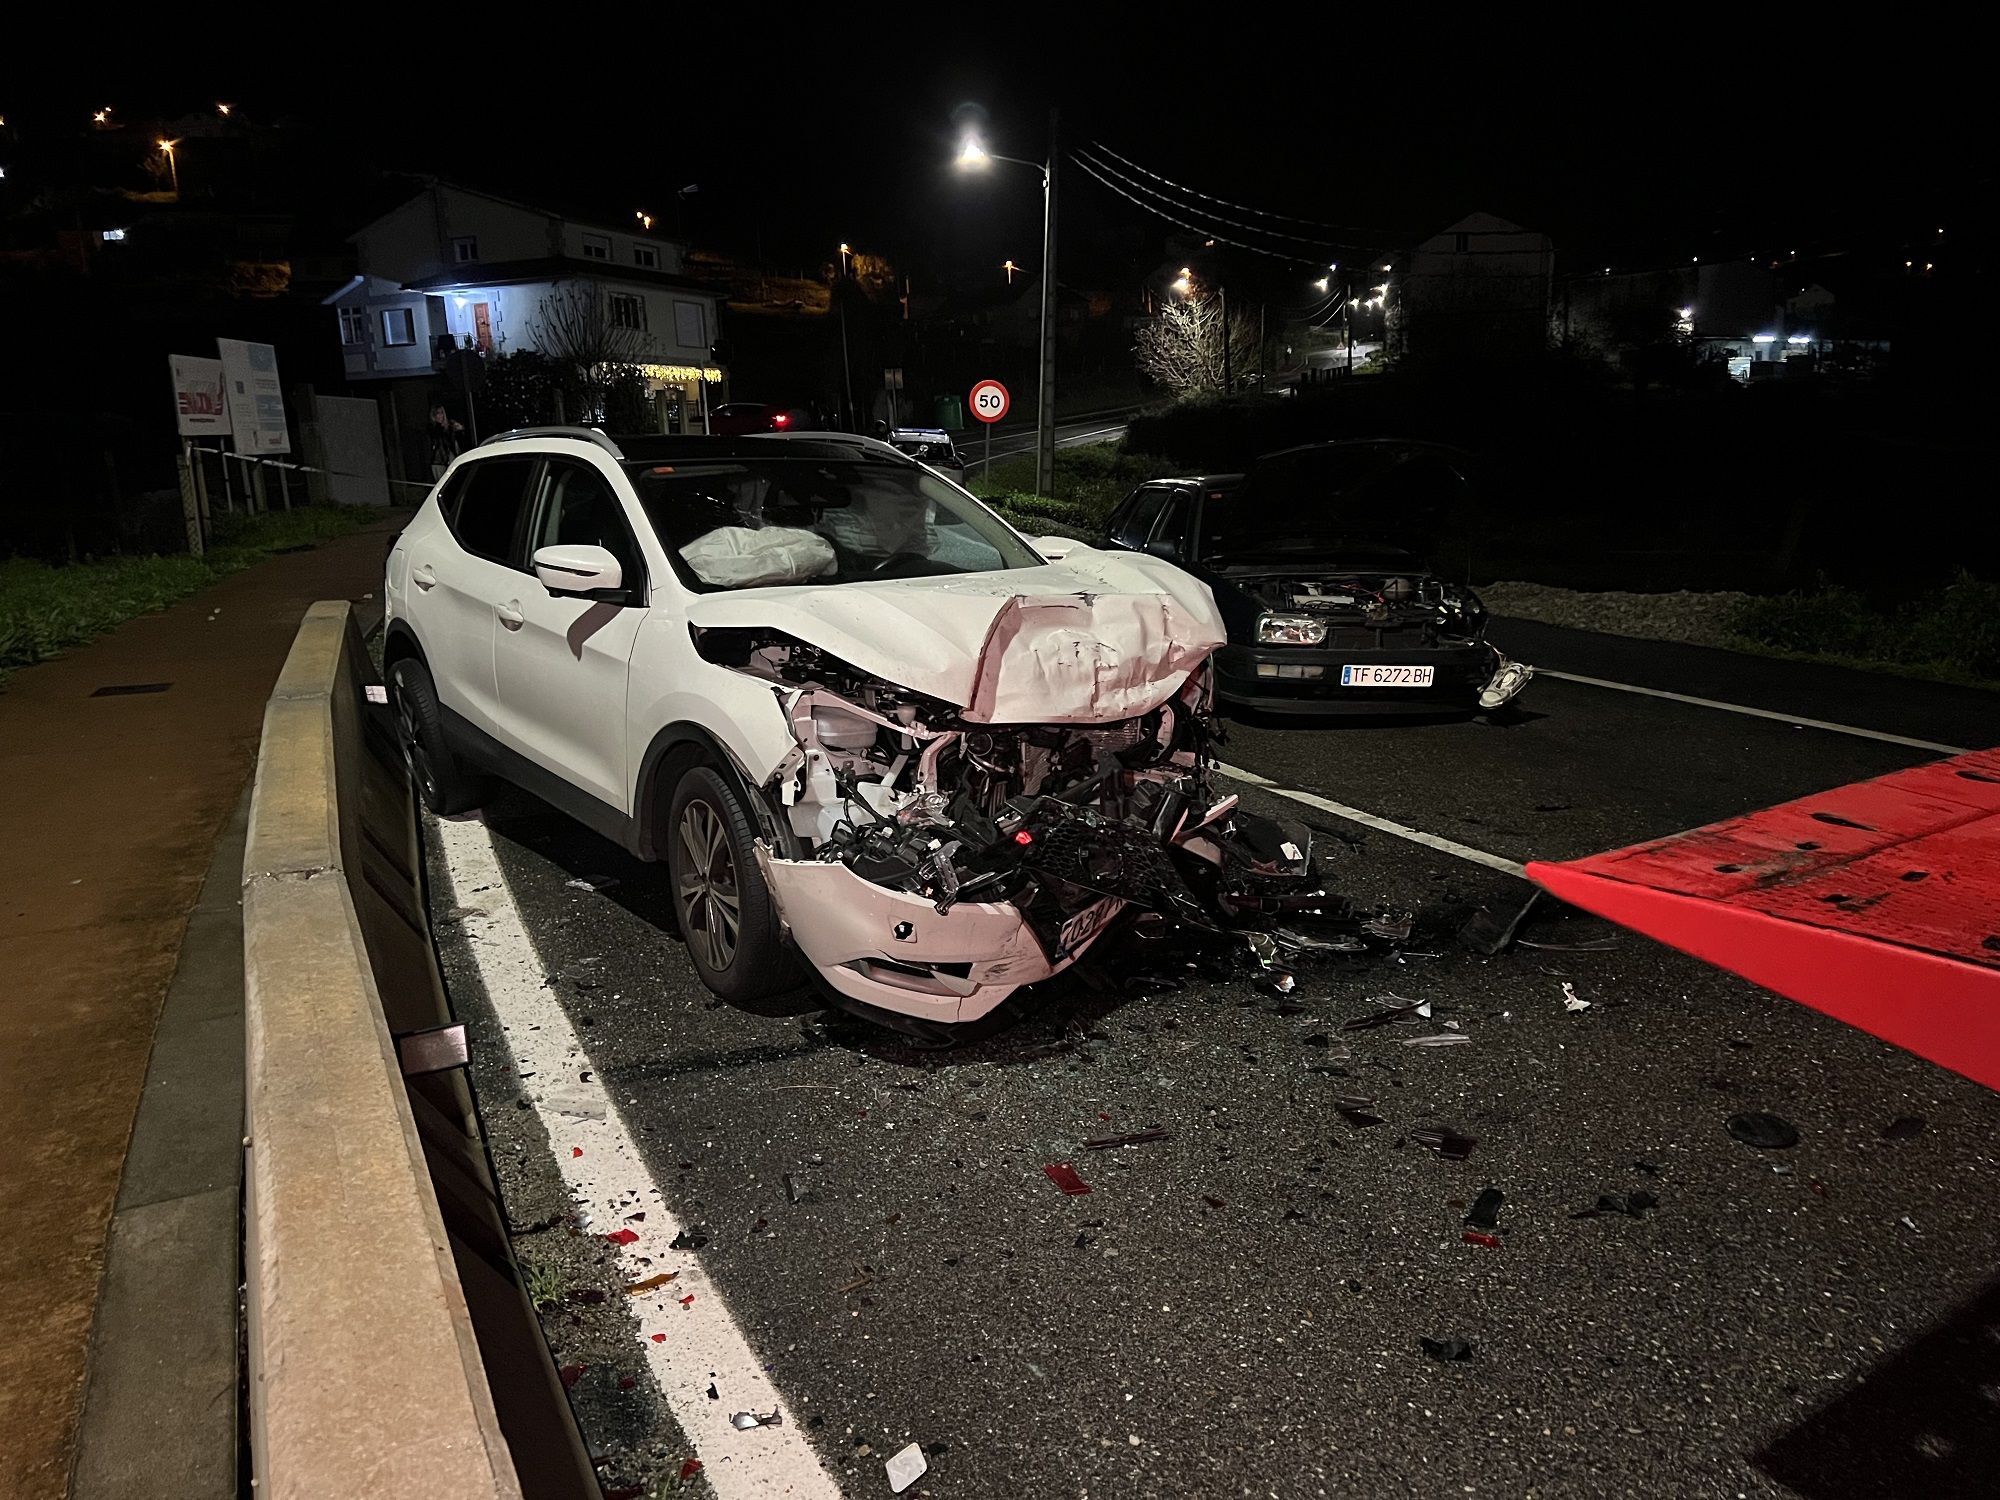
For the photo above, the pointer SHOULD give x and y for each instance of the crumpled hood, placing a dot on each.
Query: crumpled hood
(1099, 636)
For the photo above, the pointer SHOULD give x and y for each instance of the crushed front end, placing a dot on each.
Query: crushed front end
(928, 863)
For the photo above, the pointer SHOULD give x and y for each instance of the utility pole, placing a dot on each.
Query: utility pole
(1228, 380)
(1045, 417)
(846, 368)
(1347, 318)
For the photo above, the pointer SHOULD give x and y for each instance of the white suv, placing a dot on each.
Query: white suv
(864, 721)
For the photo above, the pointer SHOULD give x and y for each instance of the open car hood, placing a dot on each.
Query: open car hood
(1097, 637)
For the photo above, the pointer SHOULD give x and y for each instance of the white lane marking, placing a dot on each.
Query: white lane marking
(604, 1170)
(1102, 434)
(1380, 825)
(1755, 713)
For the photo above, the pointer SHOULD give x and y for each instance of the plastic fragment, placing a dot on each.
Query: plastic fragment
(1447, 1143)
(688, 1239)
(688, 1300)
(1136, 1138)
(743, 1421)
(1910, 1224)
(1480, 1237)
(622, 1236)
(658, 1338)
(574, 1151)
(1406, 1010)
(1442, 1039)
(689, 1468)
(1393, 928)
(906, 1468)
(1904, 1128)
(1764, 1131)
(640, 1288)
(1572, 1001)
(1357, 1111)
(570, 1374)
(1063, 1175)
(1489, 934)
(1485, 1211)
(1447, 1349)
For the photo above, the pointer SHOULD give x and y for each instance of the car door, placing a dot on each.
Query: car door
(1132, 523)
(461, 574)
(561, 662)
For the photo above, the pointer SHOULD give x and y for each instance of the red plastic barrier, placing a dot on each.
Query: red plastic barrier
(1878, 903)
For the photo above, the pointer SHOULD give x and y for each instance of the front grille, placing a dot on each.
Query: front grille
(1378, 637)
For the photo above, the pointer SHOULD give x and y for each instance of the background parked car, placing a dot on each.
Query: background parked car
(1317, 561)
(738, 418)
(931, 445)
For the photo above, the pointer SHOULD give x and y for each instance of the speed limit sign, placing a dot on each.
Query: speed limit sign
(989, 401)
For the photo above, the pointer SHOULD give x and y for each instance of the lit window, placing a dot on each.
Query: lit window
(597, 247)
(465, 248)
(353, 326)
(399, 327)
(690, 325)
(646, 256)
(628, 311)
(113, 236)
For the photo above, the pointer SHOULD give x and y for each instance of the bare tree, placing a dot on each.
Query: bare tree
(590, 349)
(1182, 350)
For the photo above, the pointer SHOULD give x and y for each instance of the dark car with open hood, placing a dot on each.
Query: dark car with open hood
(1320, 560)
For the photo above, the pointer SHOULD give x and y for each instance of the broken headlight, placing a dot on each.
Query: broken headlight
(1290, 630)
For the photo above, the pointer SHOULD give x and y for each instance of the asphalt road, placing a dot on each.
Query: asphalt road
(1013, 437)
(1238, 1308)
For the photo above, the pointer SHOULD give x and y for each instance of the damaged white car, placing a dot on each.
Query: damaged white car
(882, 741)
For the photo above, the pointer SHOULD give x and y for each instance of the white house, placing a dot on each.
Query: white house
(1478, 288)
(454, 269)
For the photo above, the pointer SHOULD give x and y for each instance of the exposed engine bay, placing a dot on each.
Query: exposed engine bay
(1413, 606)
(1067, 824)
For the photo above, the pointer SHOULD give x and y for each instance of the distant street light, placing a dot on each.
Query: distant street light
(1320, 286)
(1010, 268)
(645, 219)
(173, 167)
(846, 257)
(223, 109)
(102, 116)
(973, 156)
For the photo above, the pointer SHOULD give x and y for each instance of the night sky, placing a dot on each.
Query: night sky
(1633, 144)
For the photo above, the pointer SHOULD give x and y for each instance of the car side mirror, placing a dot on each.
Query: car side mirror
(1165, 547)
(580, 571)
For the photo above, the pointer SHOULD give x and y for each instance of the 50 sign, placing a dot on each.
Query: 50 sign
(989, 401)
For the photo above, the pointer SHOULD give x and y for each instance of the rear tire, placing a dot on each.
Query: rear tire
(440, 781)
(727, 917)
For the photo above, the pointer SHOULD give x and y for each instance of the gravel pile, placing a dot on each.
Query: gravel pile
(1699, 619)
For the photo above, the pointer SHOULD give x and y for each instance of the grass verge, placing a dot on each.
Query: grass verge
(1949, 634)
(1089, 480)
(44, 610)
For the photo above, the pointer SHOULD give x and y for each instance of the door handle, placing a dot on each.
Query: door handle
(424, 578)
(510, 615)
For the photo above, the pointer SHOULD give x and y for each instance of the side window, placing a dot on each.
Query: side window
(578, 508)
(1174, 521)
(489, 507)
(1137, 523)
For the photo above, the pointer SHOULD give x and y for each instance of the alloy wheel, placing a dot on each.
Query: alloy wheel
(711, 906)
(411, 737)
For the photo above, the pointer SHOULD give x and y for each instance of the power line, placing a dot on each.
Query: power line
(1199, 229)
(1372, 235)
(1275, 234)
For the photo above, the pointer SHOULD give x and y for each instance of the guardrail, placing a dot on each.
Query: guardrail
(381, 1288)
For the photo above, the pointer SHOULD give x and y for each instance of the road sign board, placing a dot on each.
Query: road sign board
(989, 401)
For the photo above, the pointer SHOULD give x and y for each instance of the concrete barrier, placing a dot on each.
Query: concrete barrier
(366, 1372)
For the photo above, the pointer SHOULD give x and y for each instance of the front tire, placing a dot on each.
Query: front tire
(440, 781)
(727, 916)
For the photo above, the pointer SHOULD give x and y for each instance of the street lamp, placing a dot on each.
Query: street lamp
(1010, 268)
(1183, 285)
(173, 167)
(973, 156)
(846, 255)
(846, 365)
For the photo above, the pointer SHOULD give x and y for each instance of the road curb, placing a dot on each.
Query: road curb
(365, 1370)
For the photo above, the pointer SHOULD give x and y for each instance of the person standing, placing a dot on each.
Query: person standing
(447, 440)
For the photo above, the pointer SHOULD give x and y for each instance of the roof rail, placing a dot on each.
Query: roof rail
(579, 434)
(870, 445)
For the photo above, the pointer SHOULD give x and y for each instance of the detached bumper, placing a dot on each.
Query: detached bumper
(892, 950)
(1306, 679)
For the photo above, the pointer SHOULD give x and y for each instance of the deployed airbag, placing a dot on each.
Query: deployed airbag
(737, 557)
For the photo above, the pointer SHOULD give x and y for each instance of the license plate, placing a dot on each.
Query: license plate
(1353, 676)
(1087, 924)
